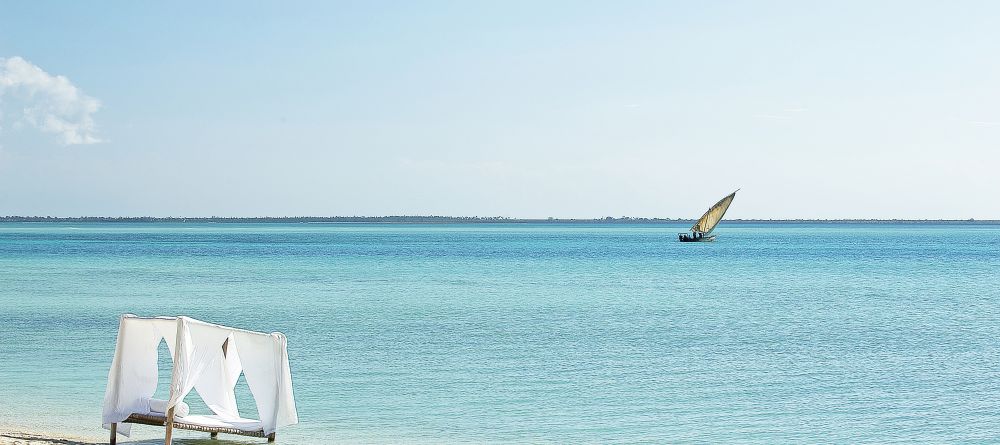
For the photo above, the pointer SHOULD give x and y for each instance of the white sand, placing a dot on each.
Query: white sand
(24, 437)
(30, 438)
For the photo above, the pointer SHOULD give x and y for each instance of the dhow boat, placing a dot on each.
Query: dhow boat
(701, 231)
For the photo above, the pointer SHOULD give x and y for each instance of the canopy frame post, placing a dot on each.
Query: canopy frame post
(114, 434)
(169, 424)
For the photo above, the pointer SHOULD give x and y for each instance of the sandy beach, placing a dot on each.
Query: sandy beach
(22, 437)
(32, 438)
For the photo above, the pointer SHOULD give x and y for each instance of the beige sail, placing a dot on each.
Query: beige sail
(711, 218)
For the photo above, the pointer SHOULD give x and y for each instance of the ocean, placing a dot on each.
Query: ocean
(533, 333)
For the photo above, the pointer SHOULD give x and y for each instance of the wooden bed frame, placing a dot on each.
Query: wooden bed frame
(157, 420)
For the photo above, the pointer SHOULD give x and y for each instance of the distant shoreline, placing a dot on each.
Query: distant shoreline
(465, 220)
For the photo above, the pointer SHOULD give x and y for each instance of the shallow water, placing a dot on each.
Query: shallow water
(535, 333)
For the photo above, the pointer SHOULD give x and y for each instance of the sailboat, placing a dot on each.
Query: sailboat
(701, 231)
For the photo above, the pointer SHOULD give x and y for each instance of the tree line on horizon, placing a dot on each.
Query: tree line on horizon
(433, 219)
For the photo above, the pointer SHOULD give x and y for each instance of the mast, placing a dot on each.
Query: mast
(711, 218)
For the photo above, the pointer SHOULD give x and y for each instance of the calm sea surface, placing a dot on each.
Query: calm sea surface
(534, 333)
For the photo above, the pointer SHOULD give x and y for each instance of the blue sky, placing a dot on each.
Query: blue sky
(522, 109)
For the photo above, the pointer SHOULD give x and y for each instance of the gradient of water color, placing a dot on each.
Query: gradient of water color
(535, 333)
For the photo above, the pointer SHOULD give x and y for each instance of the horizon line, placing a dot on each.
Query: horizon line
(466, 219)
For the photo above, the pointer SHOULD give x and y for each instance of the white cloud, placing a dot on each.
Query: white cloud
(985, 123)
(50, 103)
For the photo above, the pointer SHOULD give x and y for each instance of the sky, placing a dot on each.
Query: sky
(578, 109)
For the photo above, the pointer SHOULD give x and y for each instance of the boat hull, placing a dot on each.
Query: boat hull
(687, 238)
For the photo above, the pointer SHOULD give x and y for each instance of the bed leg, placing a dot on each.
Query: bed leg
(214, 435)
(270, 438)
(168, 439)
(114, 434)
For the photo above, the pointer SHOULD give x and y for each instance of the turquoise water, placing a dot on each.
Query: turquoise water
(535, 333)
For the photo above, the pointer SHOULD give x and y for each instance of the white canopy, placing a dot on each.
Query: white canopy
(201, 364)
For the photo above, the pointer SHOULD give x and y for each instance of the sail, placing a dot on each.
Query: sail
(711, 218)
